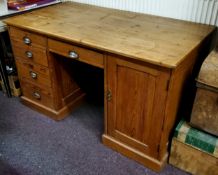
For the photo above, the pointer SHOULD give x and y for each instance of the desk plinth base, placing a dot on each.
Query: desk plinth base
(132, 153)
(54, 114)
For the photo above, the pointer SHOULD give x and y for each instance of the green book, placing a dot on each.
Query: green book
(196, 138)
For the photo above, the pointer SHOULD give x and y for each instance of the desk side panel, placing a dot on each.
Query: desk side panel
(182, 90)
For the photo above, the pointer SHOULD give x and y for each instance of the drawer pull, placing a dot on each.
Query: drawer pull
(36, 95)
(33, 75)
(73, 55)
(29, 54)
(109, 95)
(26, 40)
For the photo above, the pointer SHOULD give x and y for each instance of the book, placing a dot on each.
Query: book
(26, 4)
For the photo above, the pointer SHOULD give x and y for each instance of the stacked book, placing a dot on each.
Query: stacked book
(194, 151)
(26, 4)
(194, 146)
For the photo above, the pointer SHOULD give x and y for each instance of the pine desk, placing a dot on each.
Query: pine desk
(146, 60)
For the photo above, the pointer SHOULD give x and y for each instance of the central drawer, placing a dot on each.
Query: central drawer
(78, 53)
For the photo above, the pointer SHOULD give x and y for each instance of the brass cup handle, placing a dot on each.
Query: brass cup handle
(29, 54)
(33, 75)
(109, 95)
(73, 54)
(36, 95)
(26, 40)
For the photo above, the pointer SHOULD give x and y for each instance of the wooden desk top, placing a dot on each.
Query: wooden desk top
(157, 40)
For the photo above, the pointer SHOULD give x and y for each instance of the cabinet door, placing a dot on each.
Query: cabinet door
(136, 103)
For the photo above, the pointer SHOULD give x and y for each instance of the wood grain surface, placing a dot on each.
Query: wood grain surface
(41, 73)
(147, 61)
(39, 55)
(84, 55)
(18, 36)
(46, 97)
(157, 40)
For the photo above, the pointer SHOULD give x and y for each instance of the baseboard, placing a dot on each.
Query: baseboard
(54, 114)
(134, 154)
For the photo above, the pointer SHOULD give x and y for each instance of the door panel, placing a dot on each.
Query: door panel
(136, 110)
(134, 102)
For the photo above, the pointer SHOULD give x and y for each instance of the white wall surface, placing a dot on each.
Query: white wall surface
(3, 6)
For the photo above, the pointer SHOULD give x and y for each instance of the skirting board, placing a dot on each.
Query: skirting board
(56, 115)
(134, 154)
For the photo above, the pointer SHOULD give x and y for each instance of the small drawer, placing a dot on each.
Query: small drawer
(40, 95)
(34, 73)
(27, 38)
(33, 54)
(77, 53)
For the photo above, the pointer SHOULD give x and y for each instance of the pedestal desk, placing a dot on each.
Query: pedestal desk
(146, 60)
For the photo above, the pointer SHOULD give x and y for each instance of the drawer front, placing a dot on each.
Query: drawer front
(33, 54)
(77, 53)
(27, 38)
(34, 73)
(40, 95)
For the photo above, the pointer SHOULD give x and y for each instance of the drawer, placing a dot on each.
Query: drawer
(40, 95)
(75, 52)
(34, 73)
(33, 54)
(27, 38)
